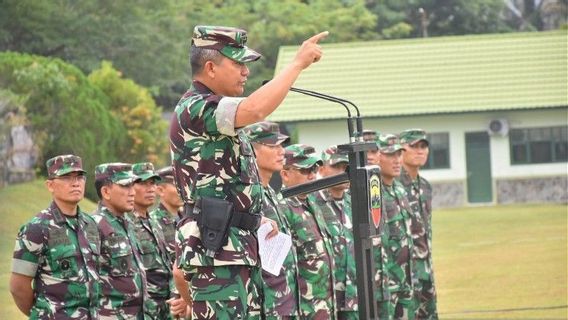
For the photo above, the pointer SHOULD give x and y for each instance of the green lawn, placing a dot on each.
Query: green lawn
(510, 258)
(18, 204)
(501, 258)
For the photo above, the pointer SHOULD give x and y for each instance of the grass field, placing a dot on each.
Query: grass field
(504, 262)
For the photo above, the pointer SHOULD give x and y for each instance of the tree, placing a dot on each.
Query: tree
(66, 113)
(437, 17)
(134, 106)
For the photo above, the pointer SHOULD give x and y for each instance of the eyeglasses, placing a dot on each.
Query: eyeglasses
(271, 146)
(72, 179)
(307, 171)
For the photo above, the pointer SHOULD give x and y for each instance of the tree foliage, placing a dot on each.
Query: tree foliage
(134, 106)
(66, 113)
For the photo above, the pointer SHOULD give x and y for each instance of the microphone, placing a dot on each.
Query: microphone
(340, 101)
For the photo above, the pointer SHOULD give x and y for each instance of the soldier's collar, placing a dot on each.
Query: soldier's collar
(58, 216)
(199, 87)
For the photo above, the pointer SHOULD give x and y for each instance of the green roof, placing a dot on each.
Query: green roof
(433, 75)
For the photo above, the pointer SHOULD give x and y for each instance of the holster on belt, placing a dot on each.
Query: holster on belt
(214, 222)
(214, 217)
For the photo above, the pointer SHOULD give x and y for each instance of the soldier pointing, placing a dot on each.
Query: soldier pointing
(216, 173)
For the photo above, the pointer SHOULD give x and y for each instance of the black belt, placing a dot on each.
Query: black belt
(239, 219)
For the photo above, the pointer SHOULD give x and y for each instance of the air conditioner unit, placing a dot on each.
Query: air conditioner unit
(498, 127)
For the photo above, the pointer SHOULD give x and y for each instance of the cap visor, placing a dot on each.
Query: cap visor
(67, 171)
(127, 181)
(308, 163)
(243, 54)
(147, 176)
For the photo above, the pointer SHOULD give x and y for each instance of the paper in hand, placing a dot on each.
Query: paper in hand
(274, 250)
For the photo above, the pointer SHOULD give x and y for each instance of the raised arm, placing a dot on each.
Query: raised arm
(267, 98)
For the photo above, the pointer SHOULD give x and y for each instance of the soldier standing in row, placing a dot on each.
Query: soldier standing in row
(396, 239)
(169, 210)
(123, 280)
(216, 173)
(280, 292)
(54, 267)
(310, 237)
(152, 245)
(419, 194)
(382, 295)
(339, 224)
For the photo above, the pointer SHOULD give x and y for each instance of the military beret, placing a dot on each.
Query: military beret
(230, 42)
(388, 143)
(145, 171)
(411, 136)
(265, 132)
(62, 165)
(331, 156)
(119, 173)
(301, 156)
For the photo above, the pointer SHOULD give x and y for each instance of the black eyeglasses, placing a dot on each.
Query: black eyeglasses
(307, 171)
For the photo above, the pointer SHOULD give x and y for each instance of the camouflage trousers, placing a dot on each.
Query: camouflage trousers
(280, 318)
(226, 292)
(402, 305)
(160, 310)
(348, 315)
(384, 310)
(425, 295)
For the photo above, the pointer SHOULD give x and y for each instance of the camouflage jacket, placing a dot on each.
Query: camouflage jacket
(155, 259)
(397, 239)
(340, 227)
(419, 193)
(280, 292)
(314, 253)
(61, 255)
(123, 279)
(167, 223)
(209, 158)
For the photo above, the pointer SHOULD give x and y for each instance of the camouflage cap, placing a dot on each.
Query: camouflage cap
(166, 174)
(145, 171)
(265, 132)
(331, 156)
(229, 41)
(388, 143)
(62, 165)
(119, 173)
(301, 156)
(412, 136)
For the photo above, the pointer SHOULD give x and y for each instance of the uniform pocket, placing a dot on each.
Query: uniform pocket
(65, 262)
(121, 261)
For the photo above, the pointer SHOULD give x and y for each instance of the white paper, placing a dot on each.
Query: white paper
(274, 250)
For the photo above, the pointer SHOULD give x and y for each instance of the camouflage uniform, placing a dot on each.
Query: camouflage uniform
(61, 254)
(152, 250)
(164, 219)
(382, 294)
(311, 240)
(419, 194)
(211, 159)
(123, 279)
(397, 240)
(280, 292)
(339, 224)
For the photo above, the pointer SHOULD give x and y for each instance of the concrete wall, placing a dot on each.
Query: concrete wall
(450, 183)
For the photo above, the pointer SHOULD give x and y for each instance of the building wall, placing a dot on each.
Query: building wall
(511, 183)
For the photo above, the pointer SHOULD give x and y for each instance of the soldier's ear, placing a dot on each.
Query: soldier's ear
(105, 192)
(49, 185)
(209, 69)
